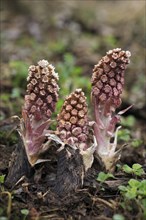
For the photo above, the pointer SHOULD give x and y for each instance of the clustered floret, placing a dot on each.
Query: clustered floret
(108, 77)
(72, 125)
(42, 90)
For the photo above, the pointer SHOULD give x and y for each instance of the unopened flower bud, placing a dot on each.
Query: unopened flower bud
(42, 89)
(107, 79)
(73, 118)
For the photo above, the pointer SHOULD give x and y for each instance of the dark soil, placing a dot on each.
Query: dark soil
(46, 197)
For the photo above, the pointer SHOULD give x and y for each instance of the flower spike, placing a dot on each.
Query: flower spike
(72, 125)
(73, 128)
(107, 86)
(40, 102)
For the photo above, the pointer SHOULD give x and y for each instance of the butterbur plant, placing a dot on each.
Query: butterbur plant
(107, 86)
(75, 156)
(40, 100)
(72, 127)
(76, 143)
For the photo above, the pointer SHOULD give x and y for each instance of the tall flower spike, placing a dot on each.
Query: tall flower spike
(40, 101)
(107, 85)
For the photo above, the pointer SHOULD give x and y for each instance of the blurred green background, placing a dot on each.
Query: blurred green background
(73, 35)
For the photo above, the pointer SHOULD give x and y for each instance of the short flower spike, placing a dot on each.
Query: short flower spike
(107, 85)
(40, 101)
(72, 120)
(72, 126)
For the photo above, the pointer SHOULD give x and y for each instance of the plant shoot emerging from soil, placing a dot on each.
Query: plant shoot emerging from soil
(77, 143)
(107, 86)
(40, 101)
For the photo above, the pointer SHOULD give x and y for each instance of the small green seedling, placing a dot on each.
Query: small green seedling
(2, 177)
(102, 177)
(124, 135)
(25, 213)
(128, 121)
(118, 217)
(134, 192)
(135, 189)
(135, 170)
(136, 143)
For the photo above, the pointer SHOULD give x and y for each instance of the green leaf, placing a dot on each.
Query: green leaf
(1, 211)
(134, 189)
(128, 121)
(134, 183)
(127, 169)
(142, 188)
(144, 203)
(124, 135)
(24, 211)
(136, 166)
(136, 143)
(131, 193)
(118, 217)
(102, 177)
(16, 92)
(137, 169)
(122, 188)
(2, 177)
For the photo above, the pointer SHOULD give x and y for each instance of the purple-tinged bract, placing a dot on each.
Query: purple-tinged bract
(40, 101)
(107, 86)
